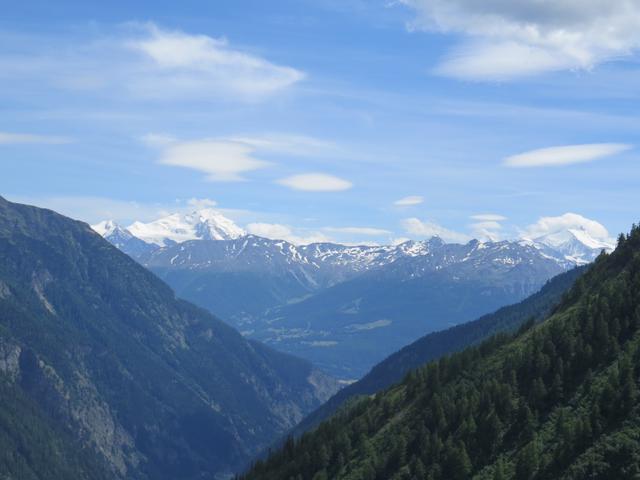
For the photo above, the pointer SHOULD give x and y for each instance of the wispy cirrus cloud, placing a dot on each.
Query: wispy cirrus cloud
(144, 61)
(200, 62)
(488, 217)
(93, 209)
(503, 40)
(565, 155)
(411, 200)
(8, 138)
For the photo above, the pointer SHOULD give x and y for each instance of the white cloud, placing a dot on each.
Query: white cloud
(489, 217)
(400, 240)
(565, 155)
(288, 144)
(200, 63)
(278, 231)
(369, 231)
(515, 38)
(201, 203)
(409, 201)
(146, 62)
(487, 226)
(158, 140)
(316, 182)
(486, 230)
(550, 225)
(417, 227)
(220, 160)
(227, 159)
(7, 138)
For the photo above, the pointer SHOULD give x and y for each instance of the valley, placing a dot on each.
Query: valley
(344, 308)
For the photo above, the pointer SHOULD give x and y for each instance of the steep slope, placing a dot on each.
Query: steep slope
(348, 328)
(150, 386)
(559, 400)
(435, 345)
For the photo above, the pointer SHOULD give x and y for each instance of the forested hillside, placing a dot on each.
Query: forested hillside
(556, 400)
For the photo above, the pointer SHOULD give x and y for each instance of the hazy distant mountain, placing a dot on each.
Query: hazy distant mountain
(219, 275)
(105, 374)
(347, 307)
(347, 328)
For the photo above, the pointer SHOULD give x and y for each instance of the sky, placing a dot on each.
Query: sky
(359, 121)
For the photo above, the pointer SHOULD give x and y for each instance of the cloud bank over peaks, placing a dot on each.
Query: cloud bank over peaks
(427, 229)
(546, 226)
(504, 40)
(277, 231)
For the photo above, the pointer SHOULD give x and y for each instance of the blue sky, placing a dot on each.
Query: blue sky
(356, 121)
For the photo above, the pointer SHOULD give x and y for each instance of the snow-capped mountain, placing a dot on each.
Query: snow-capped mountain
(425, 286)
(575, 245)
(111, 229)
(205, 224)
(569, 246)
(122, 238)
(321, 299)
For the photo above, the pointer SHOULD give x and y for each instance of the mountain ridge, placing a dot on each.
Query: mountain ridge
(146, 385)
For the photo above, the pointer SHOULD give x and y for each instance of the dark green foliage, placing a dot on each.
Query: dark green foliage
(115, 368)
(557, 400)
(435, 345)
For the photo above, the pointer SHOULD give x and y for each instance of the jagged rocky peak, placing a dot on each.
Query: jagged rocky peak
(107, 228)
(576, 245)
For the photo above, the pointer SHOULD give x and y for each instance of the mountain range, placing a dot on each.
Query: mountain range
(343, 307)
(573, 245)
(104, 373)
